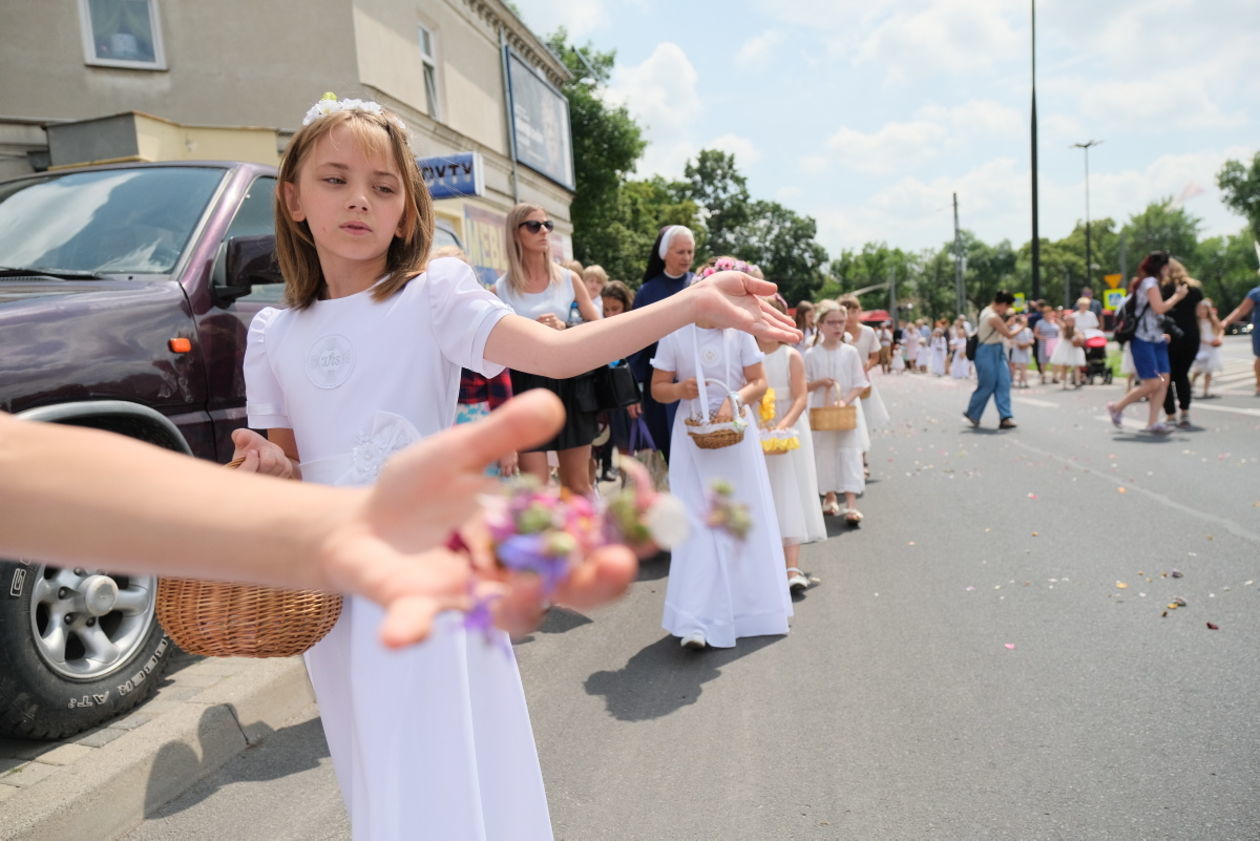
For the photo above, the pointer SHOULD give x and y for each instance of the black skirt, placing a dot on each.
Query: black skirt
(581, 408)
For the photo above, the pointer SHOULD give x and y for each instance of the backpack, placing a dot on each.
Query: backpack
(1127, 320)
(973, 342)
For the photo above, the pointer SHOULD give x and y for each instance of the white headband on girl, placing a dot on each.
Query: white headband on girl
(671, 232)
(330, 104)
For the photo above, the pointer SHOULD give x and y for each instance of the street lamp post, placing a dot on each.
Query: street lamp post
(1089, 257)
(1036, 236)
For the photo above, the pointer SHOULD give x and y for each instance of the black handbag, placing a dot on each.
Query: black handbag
(615, 387)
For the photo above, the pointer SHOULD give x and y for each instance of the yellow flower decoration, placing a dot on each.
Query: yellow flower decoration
(767, 405)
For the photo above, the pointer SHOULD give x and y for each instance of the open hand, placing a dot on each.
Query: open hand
(733, 299)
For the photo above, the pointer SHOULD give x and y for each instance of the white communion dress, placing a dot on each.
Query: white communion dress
(433, 741)
(719, 586)
(793, 476)
(867, 343)
(838, 453)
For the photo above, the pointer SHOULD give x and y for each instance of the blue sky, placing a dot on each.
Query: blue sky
(869, 114)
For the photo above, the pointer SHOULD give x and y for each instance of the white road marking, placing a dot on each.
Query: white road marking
(1197, 405)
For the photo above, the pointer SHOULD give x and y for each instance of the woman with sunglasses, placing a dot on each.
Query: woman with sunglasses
(536, 287)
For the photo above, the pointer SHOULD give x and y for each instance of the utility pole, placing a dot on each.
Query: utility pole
(1089, 258)
(1036, 236)
(892, 297)
(958, 263)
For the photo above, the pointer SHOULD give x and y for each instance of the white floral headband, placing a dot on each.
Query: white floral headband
(330, 104)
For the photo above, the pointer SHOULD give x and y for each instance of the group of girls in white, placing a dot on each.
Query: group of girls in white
(432, 741)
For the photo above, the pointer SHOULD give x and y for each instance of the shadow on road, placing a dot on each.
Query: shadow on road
(663, 677)
(290, 749)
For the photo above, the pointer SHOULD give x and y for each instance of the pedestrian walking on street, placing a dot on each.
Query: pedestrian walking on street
(993, 374)
(1211, 336)
(720, 588)
(1046, 331)
(1249, 306)
(836, 375)
(1150, 350)
(1021, 346)
(1183, 344)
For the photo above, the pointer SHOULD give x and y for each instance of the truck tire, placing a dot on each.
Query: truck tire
(77, 648)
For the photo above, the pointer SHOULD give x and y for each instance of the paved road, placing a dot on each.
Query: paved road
(988, 657)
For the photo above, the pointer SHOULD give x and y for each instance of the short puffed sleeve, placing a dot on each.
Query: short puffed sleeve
(666, 356)
(464, 314)
(264, 399)
(747, 351)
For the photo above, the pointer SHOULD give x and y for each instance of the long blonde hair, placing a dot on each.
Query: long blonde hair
(1177, 271)
(1212, 317)
(515, 274)
(377, 134)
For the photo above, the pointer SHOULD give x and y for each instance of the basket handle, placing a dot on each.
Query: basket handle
(736, 406)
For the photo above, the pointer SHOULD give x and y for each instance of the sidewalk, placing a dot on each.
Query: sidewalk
(101, 783)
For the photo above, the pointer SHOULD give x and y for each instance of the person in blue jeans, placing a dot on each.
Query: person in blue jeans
(1250, 306)
(993, 375)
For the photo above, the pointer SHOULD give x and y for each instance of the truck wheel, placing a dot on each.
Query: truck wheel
(77, 647)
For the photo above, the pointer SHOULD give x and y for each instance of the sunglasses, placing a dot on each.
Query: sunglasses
(535, 226)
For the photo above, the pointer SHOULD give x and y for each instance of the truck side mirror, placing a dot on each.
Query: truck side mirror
(242, 262)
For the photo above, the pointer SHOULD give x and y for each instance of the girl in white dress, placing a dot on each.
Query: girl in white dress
(720, 588)
(912, 340)
(834, 372)
(1021, 355)
(1068, 356)
(960, 365)
(938, 349)
(433, 741)
(1211, 336)
(793, 476)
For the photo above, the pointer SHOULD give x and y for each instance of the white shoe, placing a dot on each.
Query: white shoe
(694, 641)
(797, 582)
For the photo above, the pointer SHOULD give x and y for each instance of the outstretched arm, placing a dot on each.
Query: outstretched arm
(725, 299)
(1240, 312)
(185, 517)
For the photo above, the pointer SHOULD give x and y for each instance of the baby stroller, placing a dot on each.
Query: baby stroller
(1096, 357)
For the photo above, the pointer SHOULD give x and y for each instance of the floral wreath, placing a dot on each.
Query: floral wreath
(330, 104)
(726, 264)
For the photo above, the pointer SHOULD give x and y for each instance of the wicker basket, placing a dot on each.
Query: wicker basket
(222, 619)
(833, 418)
(710, 434)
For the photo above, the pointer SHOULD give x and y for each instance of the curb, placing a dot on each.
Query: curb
(103, 783)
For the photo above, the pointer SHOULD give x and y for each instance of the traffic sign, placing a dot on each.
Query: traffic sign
(1113, 280)
(1112, 298)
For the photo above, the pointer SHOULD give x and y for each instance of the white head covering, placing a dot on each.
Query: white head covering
(667, 237)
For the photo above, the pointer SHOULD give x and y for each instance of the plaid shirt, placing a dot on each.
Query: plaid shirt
(474, 388)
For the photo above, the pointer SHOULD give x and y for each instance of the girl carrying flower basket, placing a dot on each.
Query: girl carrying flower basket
(836, 376)
(720, 587)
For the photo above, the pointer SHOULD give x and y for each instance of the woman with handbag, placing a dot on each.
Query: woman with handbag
(721, 586)
(1150, 350)
(993, 374)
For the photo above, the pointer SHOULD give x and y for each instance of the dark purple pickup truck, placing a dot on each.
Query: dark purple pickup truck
(125, 295)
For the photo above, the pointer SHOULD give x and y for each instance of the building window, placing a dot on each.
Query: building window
(428, 57)
(122, 33)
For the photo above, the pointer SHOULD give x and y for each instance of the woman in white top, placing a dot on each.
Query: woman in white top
(1150, 351)
(537, 288)
(993, 375)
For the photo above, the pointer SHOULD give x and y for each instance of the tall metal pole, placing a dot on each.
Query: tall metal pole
(1036, 236)
(1089, 257)
(958, 266)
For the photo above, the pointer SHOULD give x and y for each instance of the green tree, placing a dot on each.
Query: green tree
(607, 144)
(1240, 185)
(1161, 227)
(782, 243)
(642, 208)
(1226, 267)
(716, 185)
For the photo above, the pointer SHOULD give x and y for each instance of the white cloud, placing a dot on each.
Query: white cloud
(580, 18)
(741, 147)
(758, 49)
(948, 36)
(661, 94)
(897, 147)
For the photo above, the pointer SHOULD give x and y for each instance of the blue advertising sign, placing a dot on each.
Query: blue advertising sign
(449, 176)
(540, 122)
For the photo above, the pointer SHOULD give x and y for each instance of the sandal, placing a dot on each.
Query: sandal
(852, 516)
(831, 509)
(798, 582)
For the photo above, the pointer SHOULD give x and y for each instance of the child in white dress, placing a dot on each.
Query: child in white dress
(1068, 356)
(938, 348)
(960, 365)
(793, 476)
(1021, 354)
(911, 338)
(720, 587)
(835, 374)
(1211, 336)
(433, 741)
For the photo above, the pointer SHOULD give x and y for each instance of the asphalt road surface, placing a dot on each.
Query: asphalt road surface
(992, 655)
